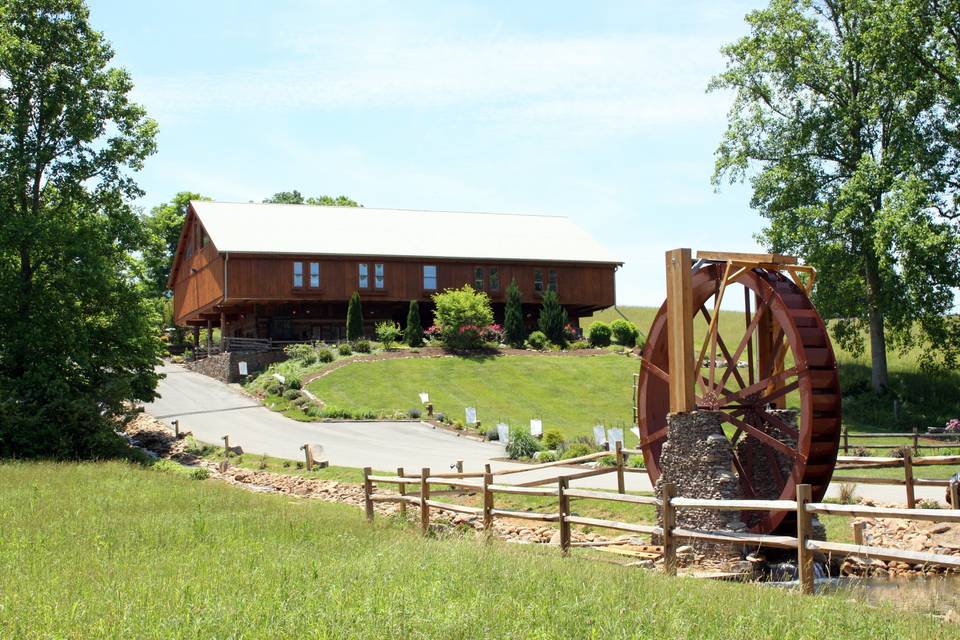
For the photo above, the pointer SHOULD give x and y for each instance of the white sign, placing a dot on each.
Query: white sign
(279, 378)
(614, 436)
(242, 365)
(536, 427)
(599, 435)
(635, 431)
(471, 415)
(503, 432)
(424, 397)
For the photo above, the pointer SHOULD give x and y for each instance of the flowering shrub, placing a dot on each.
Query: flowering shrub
(570, 333)
(432, 332)
(952, 426)
(461, 316)
(493, 333)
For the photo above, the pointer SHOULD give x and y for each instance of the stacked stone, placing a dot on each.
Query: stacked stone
(760, 459)
(698, 460)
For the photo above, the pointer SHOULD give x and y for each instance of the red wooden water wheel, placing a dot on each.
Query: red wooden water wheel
(771, 375)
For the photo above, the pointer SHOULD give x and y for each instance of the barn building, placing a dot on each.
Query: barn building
(287, 272)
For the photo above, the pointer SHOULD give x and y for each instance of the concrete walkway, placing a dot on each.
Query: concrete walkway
(211, 410)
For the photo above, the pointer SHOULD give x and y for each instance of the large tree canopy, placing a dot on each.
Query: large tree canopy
(847, 142)
(76, 339)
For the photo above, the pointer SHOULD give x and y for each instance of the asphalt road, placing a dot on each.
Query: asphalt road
(211, 410)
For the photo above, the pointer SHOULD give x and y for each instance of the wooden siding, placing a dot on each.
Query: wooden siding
(270, 278)
(198, 282)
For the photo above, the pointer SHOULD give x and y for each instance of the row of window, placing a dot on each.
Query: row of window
(483, 278)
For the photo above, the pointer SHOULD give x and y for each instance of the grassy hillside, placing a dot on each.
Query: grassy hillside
(924, 398)
(112, 551)
(568, 393)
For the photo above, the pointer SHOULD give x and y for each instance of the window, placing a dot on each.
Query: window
(315, 274)
(430, 277)
(552, 282)
(204, 238)
(494, 279)
(297, 274)
(538, 281)
(478, 278)
(364, 276)
(378, 275)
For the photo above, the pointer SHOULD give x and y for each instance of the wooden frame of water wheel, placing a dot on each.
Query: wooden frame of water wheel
(781, 359)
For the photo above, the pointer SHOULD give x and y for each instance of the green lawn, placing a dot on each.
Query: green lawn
(115, 551)
(569, 393)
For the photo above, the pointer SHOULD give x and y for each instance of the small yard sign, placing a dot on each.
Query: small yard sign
(635, 431)
(471, 415)
(615, 435)
(279, 378)
(424, 397)
(600, 435)
(503, 432)
(242, 366)
(536, 427)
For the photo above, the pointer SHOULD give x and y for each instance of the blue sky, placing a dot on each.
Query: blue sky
(593, 110)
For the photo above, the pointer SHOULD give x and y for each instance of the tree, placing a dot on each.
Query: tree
(513, 316)
(295, 197)
(354, 318)
(77, 338)
(164, 224)
(413, 333)
(553, 318)
(843, 138)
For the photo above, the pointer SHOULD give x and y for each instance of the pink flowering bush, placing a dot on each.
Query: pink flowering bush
(570, 333)
(493, 333)
(462, 316)
(952, 426)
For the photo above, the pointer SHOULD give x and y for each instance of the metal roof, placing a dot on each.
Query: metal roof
(321, 230)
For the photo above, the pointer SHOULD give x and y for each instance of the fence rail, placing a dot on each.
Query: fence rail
(907, 462)
(914, 435)
(668, 505)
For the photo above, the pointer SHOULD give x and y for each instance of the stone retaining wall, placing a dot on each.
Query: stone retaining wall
(226, 366)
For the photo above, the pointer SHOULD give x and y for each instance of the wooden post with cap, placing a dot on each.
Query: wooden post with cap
(680, 331)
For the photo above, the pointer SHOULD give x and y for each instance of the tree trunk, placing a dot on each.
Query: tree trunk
(878, 337)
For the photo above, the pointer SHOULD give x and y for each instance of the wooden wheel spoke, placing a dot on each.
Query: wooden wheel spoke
(731, 363)
(712, 328)
(659, 434)
(655, 370)
(760, 435)
(778, 393)
(779, 424)
(748, 336)
(757, 387)
(745, 483)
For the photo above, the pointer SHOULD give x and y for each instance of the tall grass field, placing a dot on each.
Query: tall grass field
(114, 551)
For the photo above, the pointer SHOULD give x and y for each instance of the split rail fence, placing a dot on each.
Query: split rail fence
(907, 463)
(668, 504)
(915, 437)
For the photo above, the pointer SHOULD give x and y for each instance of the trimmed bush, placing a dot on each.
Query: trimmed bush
(413, 332)
(304, 353)
(461, 316)
(599, 334)
(578, 449)
(624, 332)
(325, 355)
(413, 412)
(294, 383)
(361, 346)
(521, 444)
(553, 319)
(537, 340)
(441, 417)
(513, 330)
(274, 389)
(553, 439)
(344, 349)
(493, 434)
(547, 456)
(292, 394)
(388, 333)
(354, 318)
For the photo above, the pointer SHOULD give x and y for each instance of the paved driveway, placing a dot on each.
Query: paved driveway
(211, 410)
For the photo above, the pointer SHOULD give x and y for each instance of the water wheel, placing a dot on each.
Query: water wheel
(772, 377)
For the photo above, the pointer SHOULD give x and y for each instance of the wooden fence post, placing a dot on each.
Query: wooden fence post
(226, 445)
(459, 467)
(858, 532)
(424, 496)
(804, 555)
(846, 441)
(308, 456)
(402, 489)
(916, 442)
(176, 429)
(620, 484)
(367, 492)
(564, 509)
(908, 478)
(668, 520)
(955, 494)
(487, 502)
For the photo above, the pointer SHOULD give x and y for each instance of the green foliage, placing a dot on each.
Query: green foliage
(553, 439)
(624, 332)
(547, 456)
(845, 121)
(361, 346)
(295, 197)
(461, 315)
(292, 394)
(163, 225)
(553, 318)
(344, 349)
(513, 329)
(305, 353)
(413, 332)
(78, 339)
(599, 334)
(388, 333)
(274, 389)
(636, 462)
(521, 444)
(607, 461)
(577, 449)
(354, 318)
(325, 355)
(294, 383)
(537, 340)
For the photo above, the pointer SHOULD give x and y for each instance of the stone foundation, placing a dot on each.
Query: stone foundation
(226, 366)
(698, 460)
